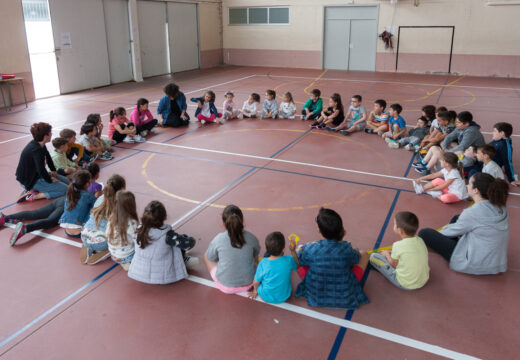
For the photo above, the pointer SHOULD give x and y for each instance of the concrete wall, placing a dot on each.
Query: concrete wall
(486, 37)
(14, 58)
(210, 34)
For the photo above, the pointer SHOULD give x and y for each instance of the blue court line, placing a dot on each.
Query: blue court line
(348, 316)
(7, 206)
(184, 133)
(442, 91)
(52, 309)
(291, 143)
(16, 131)
(138, 151)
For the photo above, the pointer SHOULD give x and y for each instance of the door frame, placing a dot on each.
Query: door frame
(324, 17)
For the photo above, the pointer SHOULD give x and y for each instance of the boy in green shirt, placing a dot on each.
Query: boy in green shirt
(407, 265)
(312, 108)
(63, 165)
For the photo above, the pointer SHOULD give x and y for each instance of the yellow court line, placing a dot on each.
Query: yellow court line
(445, 86)
(315, 80)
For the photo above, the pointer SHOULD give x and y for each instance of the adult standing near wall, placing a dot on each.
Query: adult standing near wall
(172, 107)
(31, 173)
(475, 242)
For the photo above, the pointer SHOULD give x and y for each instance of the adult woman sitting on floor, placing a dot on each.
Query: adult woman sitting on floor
(172, 107)
(475, 242)
(31, 173)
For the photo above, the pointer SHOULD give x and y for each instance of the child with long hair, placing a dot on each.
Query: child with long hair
(270, 106)
(78, 203)
(333, 116)
(228, 107)
(122, 129)
(142, 118)
(206, 109)
(287, 107)
(155, 260)
(96, 120)
(121, 231)
(250, 106)
(92, 145)
(95, 245)
(231, 255)
(447, 185)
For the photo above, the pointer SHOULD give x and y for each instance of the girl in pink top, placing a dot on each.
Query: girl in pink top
(228, 107)
(142, 118)
(121, 129)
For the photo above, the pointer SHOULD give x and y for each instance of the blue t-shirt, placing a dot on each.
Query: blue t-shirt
(80, 214)
(399, 121)
(274, 277)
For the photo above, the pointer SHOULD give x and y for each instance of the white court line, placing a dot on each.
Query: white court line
(372, 331)
(389, 82)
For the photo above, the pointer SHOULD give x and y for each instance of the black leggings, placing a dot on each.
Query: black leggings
(441, 244)
(47, 216)
(175, 120)
(148, 126)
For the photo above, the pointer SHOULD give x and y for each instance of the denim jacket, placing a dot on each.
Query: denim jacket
(212, 108)
(164, 105)
(79, 215)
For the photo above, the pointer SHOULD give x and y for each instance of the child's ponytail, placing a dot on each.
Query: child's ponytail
(79, 182)
(337, 99)
(153, 218)
(453, 160)
(114, 184)
(118, 111)
(234, 222)
(490, 188)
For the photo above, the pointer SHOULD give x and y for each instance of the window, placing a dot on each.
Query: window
(259, 16)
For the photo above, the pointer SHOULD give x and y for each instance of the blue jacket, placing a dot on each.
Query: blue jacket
(80, 214)
(212, 108)
(164, 105)
(504, 156)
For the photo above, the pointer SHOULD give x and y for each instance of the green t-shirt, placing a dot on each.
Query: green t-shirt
(412, 271)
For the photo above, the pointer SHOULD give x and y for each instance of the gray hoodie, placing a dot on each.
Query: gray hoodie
(484, 234)
(465, 138)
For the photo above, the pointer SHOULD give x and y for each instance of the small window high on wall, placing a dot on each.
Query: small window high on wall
(259, 16)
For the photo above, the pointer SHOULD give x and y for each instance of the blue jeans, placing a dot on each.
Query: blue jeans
(54, 189)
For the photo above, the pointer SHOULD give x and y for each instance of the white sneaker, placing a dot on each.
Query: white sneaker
(393, 145)
(203, 122)
(139, 139)
(153, 131)
(408, 147)
(221, 121)
(144, 133)
(128, 140)
(191, 261)
(418, 188)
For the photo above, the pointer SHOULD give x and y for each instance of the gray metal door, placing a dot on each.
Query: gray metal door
(151, 16)
(118, 40)
(183, 30)
(336, 44)
(363, 37)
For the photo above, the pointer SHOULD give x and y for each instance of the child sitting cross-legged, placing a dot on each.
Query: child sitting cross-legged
(273, 274)
(206, 109)
(406, 266)
(485, 154)
(64, 166)
(411, 142)
(335, 267)
(270, 107)
(95, 187)
(313, 106)
(333, 116)
(396, 124)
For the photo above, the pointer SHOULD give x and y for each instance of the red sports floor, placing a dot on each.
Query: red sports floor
(279, 172)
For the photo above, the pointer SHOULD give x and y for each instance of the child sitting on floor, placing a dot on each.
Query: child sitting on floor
(435, 122)
(448, 185)
(406, 266)
(356, 117)
(206, 109)
(91, 144)
(411, 142)
(122, 129)
(273, 274)
(270, 107)
(313, 106)
(75, 152)
(287, 107)
(155, 260)
(228, 107)
(96, 120)
(63, 165)
(378, 119)
(143, 118)
(445, 125)
(502, 132)
(250, 106)
(121, 230)
(95, 187)
(334, 114)
(485, 154)
(335, 267)
(77, 204)
(396, 124)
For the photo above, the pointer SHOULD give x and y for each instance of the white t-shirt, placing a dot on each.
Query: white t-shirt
(458, 186)
(205, 110)
(435, 124)
(494, 170)
(249, 109)
(287, 108)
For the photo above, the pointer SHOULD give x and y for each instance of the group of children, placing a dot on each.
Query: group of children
(106, 220)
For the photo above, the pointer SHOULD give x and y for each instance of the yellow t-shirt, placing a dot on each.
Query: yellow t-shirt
(412, 271)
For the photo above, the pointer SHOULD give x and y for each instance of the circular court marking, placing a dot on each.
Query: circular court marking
(289, 208)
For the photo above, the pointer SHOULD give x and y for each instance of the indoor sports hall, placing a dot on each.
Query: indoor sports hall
(61, 60)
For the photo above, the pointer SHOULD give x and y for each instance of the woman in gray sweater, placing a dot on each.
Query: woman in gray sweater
(475, 242)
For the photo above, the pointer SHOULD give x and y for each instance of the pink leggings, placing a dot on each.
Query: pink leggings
(447, 197)
(212, 118)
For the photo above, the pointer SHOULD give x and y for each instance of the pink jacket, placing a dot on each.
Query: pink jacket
(138, 117)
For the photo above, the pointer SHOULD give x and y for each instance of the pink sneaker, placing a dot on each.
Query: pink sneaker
(2, 219)
(19, 231)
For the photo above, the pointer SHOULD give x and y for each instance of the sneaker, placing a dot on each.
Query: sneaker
(369, 131)
(343, 132)
(423, 171)
(19, 231)
(221, 121)
(2, 219)
(154, 131)
(144, 133)
(419, 164)
(92, 159)
(380, 133)
(408, 147)
(328, 128)
(388, 140)
(83, 254)
(22, 196)
(106, 156)
(304, 117)
(28, 196)
(98, 257)
(393, 145)
(128, 140)
(321, 126)
(191, 261)
(139, 139)
(417, 148)
(227, 116)
(418, 188)
(315, 124)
